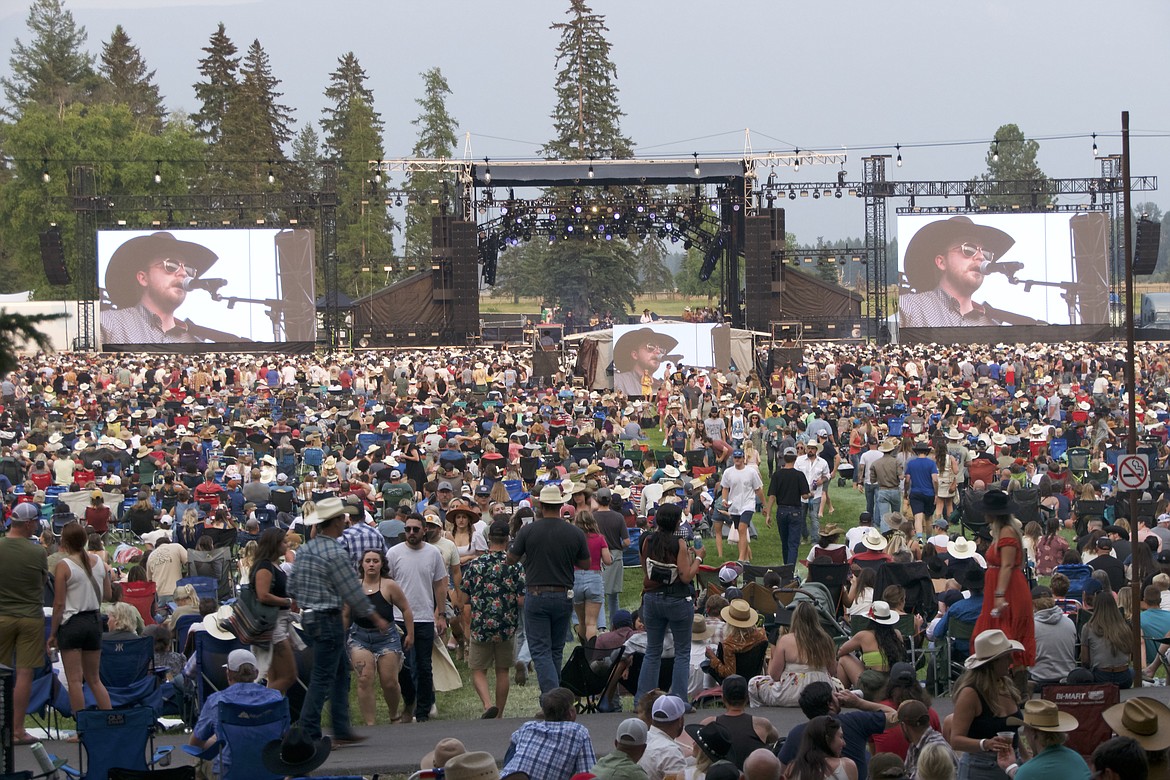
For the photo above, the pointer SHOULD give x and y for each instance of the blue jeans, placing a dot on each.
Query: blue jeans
(330, 676)
(871, 498)
(812, 519)
(660, 613)
(415, 678)
(547, 617)
(887, 500)
(789, 523)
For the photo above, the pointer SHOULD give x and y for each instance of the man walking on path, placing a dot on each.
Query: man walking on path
(742, 487)
(495, 592)
(787, 491)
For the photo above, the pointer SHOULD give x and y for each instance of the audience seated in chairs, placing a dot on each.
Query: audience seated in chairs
(556, 746)
(744, 638)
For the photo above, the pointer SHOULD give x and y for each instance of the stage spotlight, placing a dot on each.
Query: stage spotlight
(792, 194)
(591, 167)
(157, 172)
(1094, 144)
(735, 207)
(898, 149)
(641, 208)
(503, 209)
(568, 228)
(487, 171)
(398, 201)
(577, 209)
(796, 162)
(838, 193)
(45, 177)
(816, 194)
(696, 156)
(377, 172)
(995, 150)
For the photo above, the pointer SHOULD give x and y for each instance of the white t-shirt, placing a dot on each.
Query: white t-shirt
(853, 536)
(416, 572)
(814, 470)
(741, 485)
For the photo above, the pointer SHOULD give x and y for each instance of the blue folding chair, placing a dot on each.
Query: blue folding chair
(205, 587)
(127, 671)
(116, 739)
(211, 655)
(182, 630)
(239, 733)
(516, 491)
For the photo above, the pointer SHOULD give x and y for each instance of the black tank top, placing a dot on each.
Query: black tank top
(381, 606)
(987, 724)
(743, 736)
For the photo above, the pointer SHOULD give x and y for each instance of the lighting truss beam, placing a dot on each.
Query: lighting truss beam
(1054, 207)
(979, 188)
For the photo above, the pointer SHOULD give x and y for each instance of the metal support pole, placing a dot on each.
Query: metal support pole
(1131, 386)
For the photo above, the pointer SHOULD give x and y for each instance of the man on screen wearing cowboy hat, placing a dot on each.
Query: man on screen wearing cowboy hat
(640, 353)
(146, 280)
(942, 265)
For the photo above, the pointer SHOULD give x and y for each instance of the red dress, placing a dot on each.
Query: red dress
(1015, 620)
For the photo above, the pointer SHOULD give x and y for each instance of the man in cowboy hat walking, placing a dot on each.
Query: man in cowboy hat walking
(638, 353)
(942, 265)
(147, 281)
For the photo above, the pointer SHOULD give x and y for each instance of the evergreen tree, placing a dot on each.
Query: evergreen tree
(256, 125)
(128, 81)
(436, 138)
(51, 69)
(586, 118)
(220, 71)
(1012, 157)
(306, 160)
(353, 137)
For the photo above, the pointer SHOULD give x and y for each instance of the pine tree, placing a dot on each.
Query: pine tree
(51, 69)
(220, 70)
(436, 138)
(129, 82)
(353, 137)
(256, 126)
(1012, 157)
(306, 160)
(586, 118)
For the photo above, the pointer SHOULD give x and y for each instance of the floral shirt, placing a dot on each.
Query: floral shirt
(494, 587)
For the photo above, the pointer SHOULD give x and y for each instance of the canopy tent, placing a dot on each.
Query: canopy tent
(595, 354)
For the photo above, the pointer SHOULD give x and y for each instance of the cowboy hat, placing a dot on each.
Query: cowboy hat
(700, 629)
(954, 434)
(832, 529)
(471, 512)
(713, 739)
(1143, 719)
(551, 494)
(872, 539)
(995, 502)
(880, 612)
(477, 765)
(296, 754)
(1044, 715)
(212, 623)
(990, 645)
(888, 445)
(739, 613)
(636, 338)
(937, 237)
(445, 750)
(137, 253)
(961, 548)
(327, 509)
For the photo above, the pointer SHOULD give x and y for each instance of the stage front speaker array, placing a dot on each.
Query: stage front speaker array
(455, 274)
(761, 275)
(53, 257)
(1149, 239)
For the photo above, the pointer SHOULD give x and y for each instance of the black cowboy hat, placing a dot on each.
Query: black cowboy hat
(936, 237)
(134, 255)
(626, 344)
(296, 754)
(996, 502)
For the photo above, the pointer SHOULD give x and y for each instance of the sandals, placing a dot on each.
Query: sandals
(27, 739)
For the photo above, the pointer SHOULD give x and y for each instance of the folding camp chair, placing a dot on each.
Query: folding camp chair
(834, 577)
(1028, 504)
(215, 564)
(243, 728)
(1086, 703)
(753, 573)
(516, 491)
(300, 687)
(127, 671)
(588, 673)
(971, 519)
(205, 587)
(143, 597)
(111, 739)
(183, 630)
(211, 655)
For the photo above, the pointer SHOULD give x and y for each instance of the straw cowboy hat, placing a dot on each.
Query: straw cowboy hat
(960, 547)
(832, 529)
(937, 237)
(872, 539)
(635, 338)
(137, 253)
(444, 751)
(477, 765)
(1143, 719)
(739, 613)
(700, 629)
(212, 623)
(880, 612)
(1044, 715)
(989, 646)
(889, 445)
(551, 494)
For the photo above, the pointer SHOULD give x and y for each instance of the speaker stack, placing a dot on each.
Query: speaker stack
(763, 243)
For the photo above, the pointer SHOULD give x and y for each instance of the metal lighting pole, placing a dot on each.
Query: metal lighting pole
(1131, 388)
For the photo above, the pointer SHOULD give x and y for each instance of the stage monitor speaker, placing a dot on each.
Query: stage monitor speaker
(53, 257)
(778, 234)
(1149, 238)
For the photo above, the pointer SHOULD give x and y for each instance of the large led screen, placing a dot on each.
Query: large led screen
(1003, 269)
(655, 348)
(206, 286)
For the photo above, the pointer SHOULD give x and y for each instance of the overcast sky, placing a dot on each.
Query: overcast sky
(852, 74)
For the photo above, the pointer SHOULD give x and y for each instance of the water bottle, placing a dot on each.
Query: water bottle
(43, 761)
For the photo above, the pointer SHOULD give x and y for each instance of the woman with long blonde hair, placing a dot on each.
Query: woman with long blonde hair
(804, 654)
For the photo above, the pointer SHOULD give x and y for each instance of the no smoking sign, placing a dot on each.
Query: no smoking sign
(1133, 472)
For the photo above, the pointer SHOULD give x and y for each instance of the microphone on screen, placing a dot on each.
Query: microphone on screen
(988, 267)
(211, 285)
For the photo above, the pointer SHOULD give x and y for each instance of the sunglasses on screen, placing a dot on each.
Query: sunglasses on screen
(970, 250)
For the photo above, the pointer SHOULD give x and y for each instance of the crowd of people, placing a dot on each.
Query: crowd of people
(400, 508)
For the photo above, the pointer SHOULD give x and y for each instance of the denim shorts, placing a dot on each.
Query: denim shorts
(587, 586)
(372, 640)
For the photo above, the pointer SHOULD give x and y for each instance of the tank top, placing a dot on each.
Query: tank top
(279, 585)
(987, 724)
(678, 588)
(381, 607)
(80, 594)
(744, 738)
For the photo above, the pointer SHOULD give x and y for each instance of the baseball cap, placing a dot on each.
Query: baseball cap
(631, 731)
(623, 618)
(941, 523)
(498, 530)
(282, 477)
(1164, 518)
(790, 450)
(603, 493)
(445, 486)
(483, 490)
(239, 657)
(668, 709)
(24, 513)
(728, 574)
(737, 454)
(433, 519)
(735, 687)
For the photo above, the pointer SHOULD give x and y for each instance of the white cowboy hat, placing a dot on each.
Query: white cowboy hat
(990, 645)
(960, 547)
(872, 539)
(212, 623)
(880, 612)
(1044, 715)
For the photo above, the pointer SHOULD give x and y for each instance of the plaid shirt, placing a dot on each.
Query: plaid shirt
(934, 309)
(323, 578)
(359, 539)
(931, 737)
(550, 750)
(137, 325)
